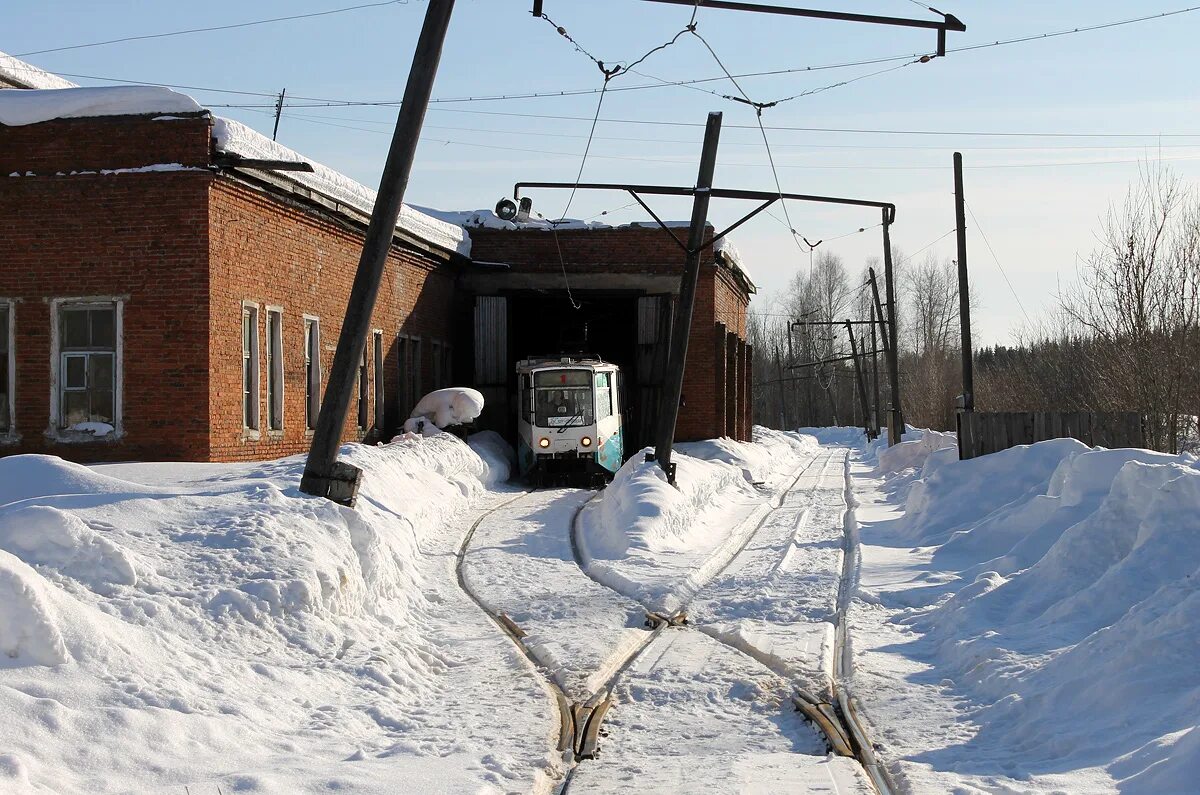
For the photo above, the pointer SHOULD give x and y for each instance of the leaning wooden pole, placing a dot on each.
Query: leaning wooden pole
(672, 392)
(324, 475)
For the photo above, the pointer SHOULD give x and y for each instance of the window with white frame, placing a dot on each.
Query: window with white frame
(380, 406)
(88, 366)
(250, 367)
(312, 371)
(7, 366)
(275, 369)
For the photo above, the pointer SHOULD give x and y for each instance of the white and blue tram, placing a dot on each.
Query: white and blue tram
(569, 424)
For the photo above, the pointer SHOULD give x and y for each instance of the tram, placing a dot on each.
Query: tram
(569, 427)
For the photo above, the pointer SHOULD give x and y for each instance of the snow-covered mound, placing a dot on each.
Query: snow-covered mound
(1069, 617)
(198, 626)
(658, 543)
(457, 405)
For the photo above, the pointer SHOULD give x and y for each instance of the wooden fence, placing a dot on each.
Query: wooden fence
(980, 433)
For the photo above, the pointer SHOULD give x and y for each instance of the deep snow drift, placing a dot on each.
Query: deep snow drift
(1037, 611)
(205, 625)
(657, 543)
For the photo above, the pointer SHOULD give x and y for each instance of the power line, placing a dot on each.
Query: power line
(997, 261)
(214, 28)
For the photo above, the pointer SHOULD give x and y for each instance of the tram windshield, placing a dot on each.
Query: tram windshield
(562, 398)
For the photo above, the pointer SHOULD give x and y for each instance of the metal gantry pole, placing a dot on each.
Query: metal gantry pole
(324, 475)
(668, 409)
(896, 415)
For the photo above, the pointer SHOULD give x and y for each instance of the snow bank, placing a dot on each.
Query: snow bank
(659, 543)
(206, 625)
(21, 107)
(1070, 617)
(914, 450)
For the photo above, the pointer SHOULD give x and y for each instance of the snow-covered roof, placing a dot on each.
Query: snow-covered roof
(22, 107)
(26, 75)
(487, 219)
(18, 108)
(236, 138)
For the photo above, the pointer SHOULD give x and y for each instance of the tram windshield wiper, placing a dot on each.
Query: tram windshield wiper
(571, 422)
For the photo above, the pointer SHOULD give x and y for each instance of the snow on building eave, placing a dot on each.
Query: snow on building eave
(233, 137)
(728, 253)
(16, 73)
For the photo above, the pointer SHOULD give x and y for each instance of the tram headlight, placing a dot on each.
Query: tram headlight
(586, 441)
(543, 442)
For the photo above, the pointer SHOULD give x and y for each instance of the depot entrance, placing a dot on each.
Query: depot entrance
(626, 327)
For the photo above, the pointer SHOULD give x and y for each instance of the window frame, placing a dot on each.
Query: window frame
(378, 354)
(252, 371)
(274, 364)
(8, 433)
(312, 372)
(363, 413)
(55, 431)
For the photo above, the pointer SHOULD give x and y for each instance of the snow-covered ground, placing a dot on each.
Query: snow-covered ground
(1029, 621)
(205, 626)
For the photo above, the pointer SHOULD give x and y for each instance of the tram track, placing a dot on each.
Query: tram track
(581, 723)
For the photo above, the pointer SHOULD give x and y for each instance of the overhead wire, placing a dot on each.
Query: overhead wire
(996, 259)
(213, 28)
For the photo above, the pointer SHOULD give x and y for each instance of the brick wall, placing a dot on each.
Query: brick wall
(635, 251)
(138, 236)
(280, 255)
(150, 238)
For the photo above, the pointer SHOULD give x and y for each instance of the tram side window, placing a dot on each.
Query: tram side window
(603, 397)
(563, 398)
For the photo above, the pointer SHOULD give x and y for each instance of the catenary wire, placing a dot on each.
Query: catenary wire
(996, 259)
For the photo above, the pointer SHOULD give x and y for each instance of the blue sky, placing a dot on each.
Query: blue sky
(1038, 199)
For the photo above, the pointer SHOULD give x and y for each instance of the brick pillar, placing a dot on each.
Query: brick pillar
(732, 389)
(718, 428)
(743, 430)
(749, 382)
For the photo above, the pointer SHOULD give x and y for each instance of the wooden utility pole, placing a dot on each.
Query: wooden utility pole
(874, 370)
(783, 412)
(668, 409)
(278, 113)
(858, 376)
(896, 413)
(324, 475)
(964, 288)
(967, 401)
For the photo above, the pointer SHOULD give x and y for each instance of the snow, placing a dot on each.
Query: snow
(450, 406)
(21, 107)
(172, 626)
(1028, 621)
(659, 543)
(15, 70)
(236, 138)
(94, 428)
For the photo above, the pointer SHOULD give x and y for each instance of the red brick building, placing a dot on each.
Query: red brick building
(163, 299)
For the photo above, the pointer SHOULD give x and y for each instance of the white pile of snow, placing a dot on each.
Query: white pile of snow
(658, 543)
(914, 450)
(17, 71)
(458, 405)
(21, 107)
(172, 626)
(1057, 608)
